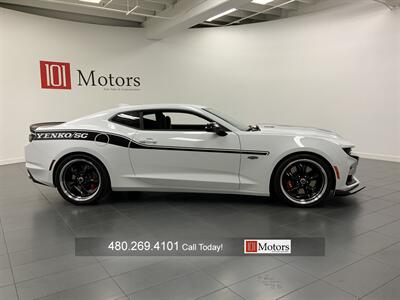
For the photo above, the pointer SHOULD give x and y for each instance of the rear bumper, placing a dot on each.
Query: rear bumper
(34, 180)
(38, 165)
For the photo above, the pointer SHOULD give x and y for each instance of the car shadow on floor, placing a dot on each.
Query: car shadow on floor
(206, 199)
(190, 198)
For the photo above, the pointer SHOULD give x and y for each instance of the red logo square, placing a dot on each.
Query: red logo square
(251, 246)
(55, 75)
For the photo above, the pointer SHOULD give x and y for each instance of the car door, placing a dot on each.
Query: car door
(173, 150)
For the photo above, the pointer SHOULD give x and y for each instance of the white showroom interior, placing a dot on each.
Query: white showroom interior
(341, 62)
(331, 64)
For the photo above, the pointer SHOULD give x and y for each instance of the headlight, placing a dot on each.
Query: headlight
(347, 150)
(349, 153)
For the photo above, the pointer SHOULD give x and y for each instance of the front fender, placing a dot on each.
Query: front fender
(255, 176)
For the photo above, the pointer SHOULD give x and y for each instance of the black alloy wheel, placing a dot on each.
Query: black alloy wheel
(81, 179)
(303, 180)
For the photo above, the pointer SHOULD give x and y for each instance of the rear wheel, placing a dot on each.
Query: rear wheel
(303, 180)
(81, 179)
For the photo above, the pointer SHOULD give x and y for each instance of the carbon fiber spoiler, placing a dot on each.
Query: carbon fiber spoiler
(35, 126)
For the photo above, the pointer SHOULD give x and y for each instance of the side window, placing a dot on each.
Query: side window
(153, 120)
(185, 121)
(173, 120)
(130, 119)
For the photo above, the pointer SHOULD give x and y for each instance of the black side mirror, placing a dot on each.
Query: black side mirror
(215, 127)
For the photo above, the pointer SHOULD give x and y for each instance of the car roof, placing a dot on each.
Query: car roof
(105, 114)
(125, 107)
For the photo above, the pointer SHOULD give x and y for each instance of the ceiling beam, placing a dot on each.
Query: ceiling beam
(227, 19)
(307, 1)
(187, 13)
(253, 7)
(140, 10)
(292, 6)
(243, 13)
(70, 16)
(164, 2)
(259, 7)
(152, 5)
(263, 11)
(148, 5)
(71, 7)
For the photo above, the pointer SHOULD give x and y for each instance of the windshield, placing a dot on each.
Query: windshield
(238, 124)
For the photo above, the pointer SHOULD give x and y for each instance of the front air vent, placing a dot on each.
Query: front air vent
(350, 180)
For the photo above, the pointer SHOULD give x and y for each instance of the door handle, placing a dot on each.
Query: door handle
(148, 141)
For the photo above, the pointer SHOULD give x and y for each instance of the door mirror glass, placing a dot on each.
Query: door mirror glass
(215, 127)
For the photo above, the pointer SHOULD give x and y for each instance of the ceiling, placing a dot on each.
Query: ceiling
(137, 12)
(162, 17)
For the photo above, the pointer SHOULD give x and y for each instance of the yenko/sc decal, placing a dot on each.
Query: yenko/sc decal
(61, 135)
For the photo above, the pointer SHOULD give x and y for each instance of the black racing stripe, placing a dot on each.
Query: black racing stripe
(119, 140)
(135, 145)
(140, 146)
(122, 141)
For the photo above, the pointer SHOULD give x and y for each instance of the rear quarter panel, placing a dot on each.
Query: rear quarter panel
(39, 155)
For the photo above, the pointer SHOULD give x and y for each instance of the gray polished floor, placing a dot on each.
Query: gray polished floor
(362, 244)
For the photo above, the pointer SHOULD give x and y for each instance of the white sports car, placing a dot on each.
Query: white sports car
(188, 148)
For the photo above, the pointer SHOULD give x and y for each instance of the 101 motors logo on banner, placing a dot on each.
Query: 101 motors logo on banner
(57, 75)
(267, 246)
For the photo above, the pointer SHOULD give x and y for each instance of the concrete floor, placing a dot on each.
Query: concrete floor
(362, 244)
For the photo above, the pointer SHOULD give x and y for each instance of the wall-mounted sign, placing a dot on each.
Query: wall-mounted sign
(57, 75)
(92, 79)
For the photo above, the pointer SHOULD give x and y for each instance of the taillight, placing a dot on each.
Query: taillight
(31, 136)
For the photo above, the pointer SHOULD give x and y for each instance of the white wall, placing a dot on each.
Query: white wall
(337, 69)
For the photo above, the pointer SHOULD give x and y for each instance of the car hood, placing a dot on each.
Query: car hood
(304, 131)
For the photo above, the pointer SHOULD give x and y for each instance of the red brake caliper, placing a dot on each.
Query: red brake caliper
(289, 184)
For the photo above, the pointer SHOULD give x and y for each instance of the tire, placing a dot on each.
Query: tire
(303, 180)
(81, 179)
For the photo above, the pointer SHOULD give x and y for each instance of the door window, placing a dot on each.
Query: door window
(173, 120)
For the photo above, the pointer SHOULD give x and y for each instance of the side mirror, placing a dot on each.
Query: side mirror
(215, 127)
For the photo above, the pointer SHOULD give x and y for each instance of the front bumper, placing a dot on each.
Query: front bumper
(352, 183)
(351, 189)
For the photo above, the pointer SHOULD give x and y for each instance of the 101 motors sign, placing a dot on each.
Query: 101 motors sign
(57, 75)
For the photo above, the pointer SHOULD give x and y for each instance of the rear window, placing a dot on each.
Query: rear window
(130, 119)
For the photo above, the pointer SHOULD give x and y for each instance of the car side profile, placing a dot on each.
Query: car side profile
(188, 148)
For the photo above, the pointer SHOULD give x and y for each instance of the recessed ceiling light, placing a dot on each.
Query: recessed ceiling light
(91, 1)
(222, 14)
(263, 2)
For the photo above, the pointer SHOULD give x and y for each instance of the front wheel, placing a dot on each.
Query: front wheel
(303, 180)
(81, 179)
